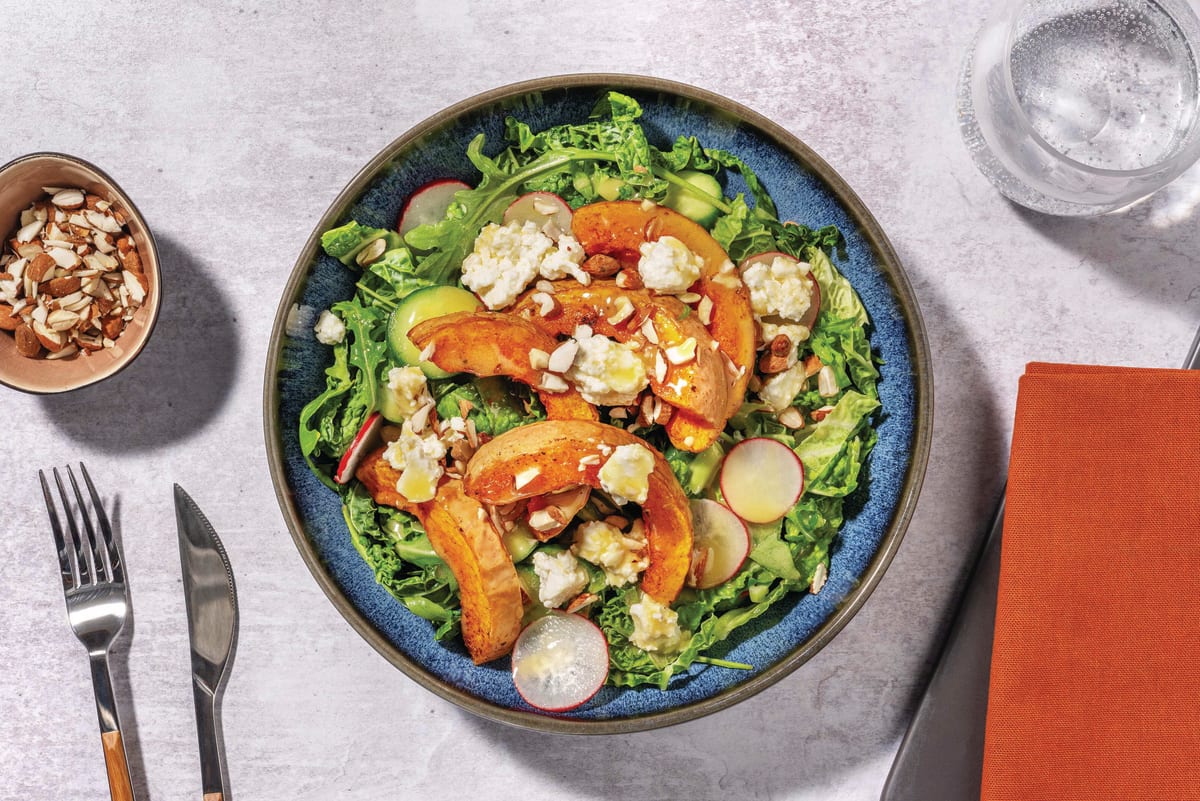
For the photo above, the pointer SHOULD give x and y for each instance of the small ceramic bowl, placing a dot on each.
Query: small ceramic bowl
(21, 183)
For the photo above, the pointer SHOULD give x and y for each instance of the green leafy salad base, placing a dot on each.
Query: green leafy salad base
(604, 158)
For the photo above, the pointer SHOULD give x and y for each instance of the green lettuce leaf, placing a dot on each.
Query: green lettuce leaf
(832, 452)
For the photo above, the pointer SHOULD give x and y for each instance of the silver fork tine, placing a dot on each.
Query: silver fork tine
(66, 556)
(83, 552)
(98, 551)
(110, 543)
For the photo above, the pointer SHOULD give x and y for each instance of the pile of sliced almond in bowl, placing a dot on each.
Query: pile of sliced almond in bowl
(71, 277)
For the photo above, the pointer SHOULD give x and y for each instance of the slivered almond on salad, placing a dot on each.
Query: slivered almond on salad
(600, 351)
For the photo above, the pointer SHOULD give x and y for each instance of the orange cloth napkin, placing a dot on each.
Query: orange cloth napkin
(1095, 681)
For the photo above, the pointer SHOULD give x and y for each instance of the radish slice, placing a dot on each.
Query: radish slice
(720, 544)
(428, 204)
(761, 479)
(549, 212)
(814, 300)
(560, 661)
(366, 439)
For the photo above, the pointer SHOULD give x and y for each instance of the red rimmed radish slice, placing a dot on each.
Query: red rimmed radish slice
(560, 661)
(761, 479)
(549, 212)
(364, 441)
(814, 297)
(720, 544)
(428, 204)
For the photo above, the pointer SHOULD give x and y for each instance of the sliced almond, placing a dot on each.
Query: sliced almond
(827, 384)
(649, 332)
(370, 253)
(61, 287)
(791, 417)
(681, 353)
(51, 340)
(26, 233)
(553, 383)
(8, 319)
(134, 287)
(63, 257)
(70, 349)
(103, 222)
(39, 266)
(538, 359)
(563, 357)
(27, 341)
(131, 261)
(629, 279)
(111, 326)
(660, 367)
(61, 320)
(68, 199)
(623, 310)
(546, 303)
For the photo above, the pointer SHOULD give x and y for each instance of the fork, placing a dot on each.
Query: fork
(94, 585)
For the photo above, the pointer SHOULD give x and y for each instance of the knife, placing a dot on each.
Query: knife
(941, 755)
(212, 627)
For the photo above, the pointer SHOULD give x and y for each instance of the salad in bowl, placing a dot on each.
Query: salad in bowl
(589, 413)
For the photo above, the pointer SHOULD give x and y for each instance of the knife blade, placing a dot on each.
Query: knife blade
(941, 755)
(212, 613)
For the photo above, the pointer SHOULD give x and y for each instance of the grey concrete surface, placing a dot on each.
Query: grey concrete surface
(234, 125)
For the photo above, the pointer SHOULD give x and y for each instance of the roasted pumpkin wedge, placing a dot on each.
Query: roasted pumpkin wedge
(618, 228)
(546, 457)
(699, 384)
(462, 535)
(493, 343)
(379, 477)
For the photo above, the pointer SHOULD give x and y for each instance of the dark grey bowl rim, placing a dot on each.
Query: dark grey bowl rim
(889, 543)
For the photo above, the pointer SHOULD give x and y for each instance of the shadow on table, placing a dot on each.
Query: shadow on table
(1132, 243)
(179, 382)
(839, 716)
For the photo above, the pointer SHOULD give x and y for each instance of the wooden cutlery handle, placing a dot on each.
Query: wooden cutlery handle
(118, 770)
(213, 797)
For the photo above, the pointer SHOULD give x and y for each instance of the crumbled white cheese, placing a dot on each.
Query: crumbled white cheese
(606, 373)
(330, 329)
(667, 266)
(564, 261)
(505, 260)
(783, 290)
(621, 556)
(419, 460)
(655, 626)
(508, 258)
(560, 578)
(409, 389)
(626, 474)
(781, 389)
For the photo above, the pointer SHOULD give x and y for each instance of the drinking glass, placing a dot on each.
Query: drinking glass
(1080, 107)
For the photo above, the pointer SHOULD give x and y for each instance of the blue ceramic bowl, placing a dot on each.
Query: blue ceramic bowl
(806, 190)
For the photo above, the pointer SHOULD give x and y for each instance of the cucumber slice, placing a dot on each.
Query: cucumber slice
(609, 188)
(690, 202)
(424, 304)
(519, 542)
(704, 468)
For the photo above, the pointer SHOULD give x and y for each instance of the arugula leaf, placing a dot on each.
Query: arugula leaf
(344, 242)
